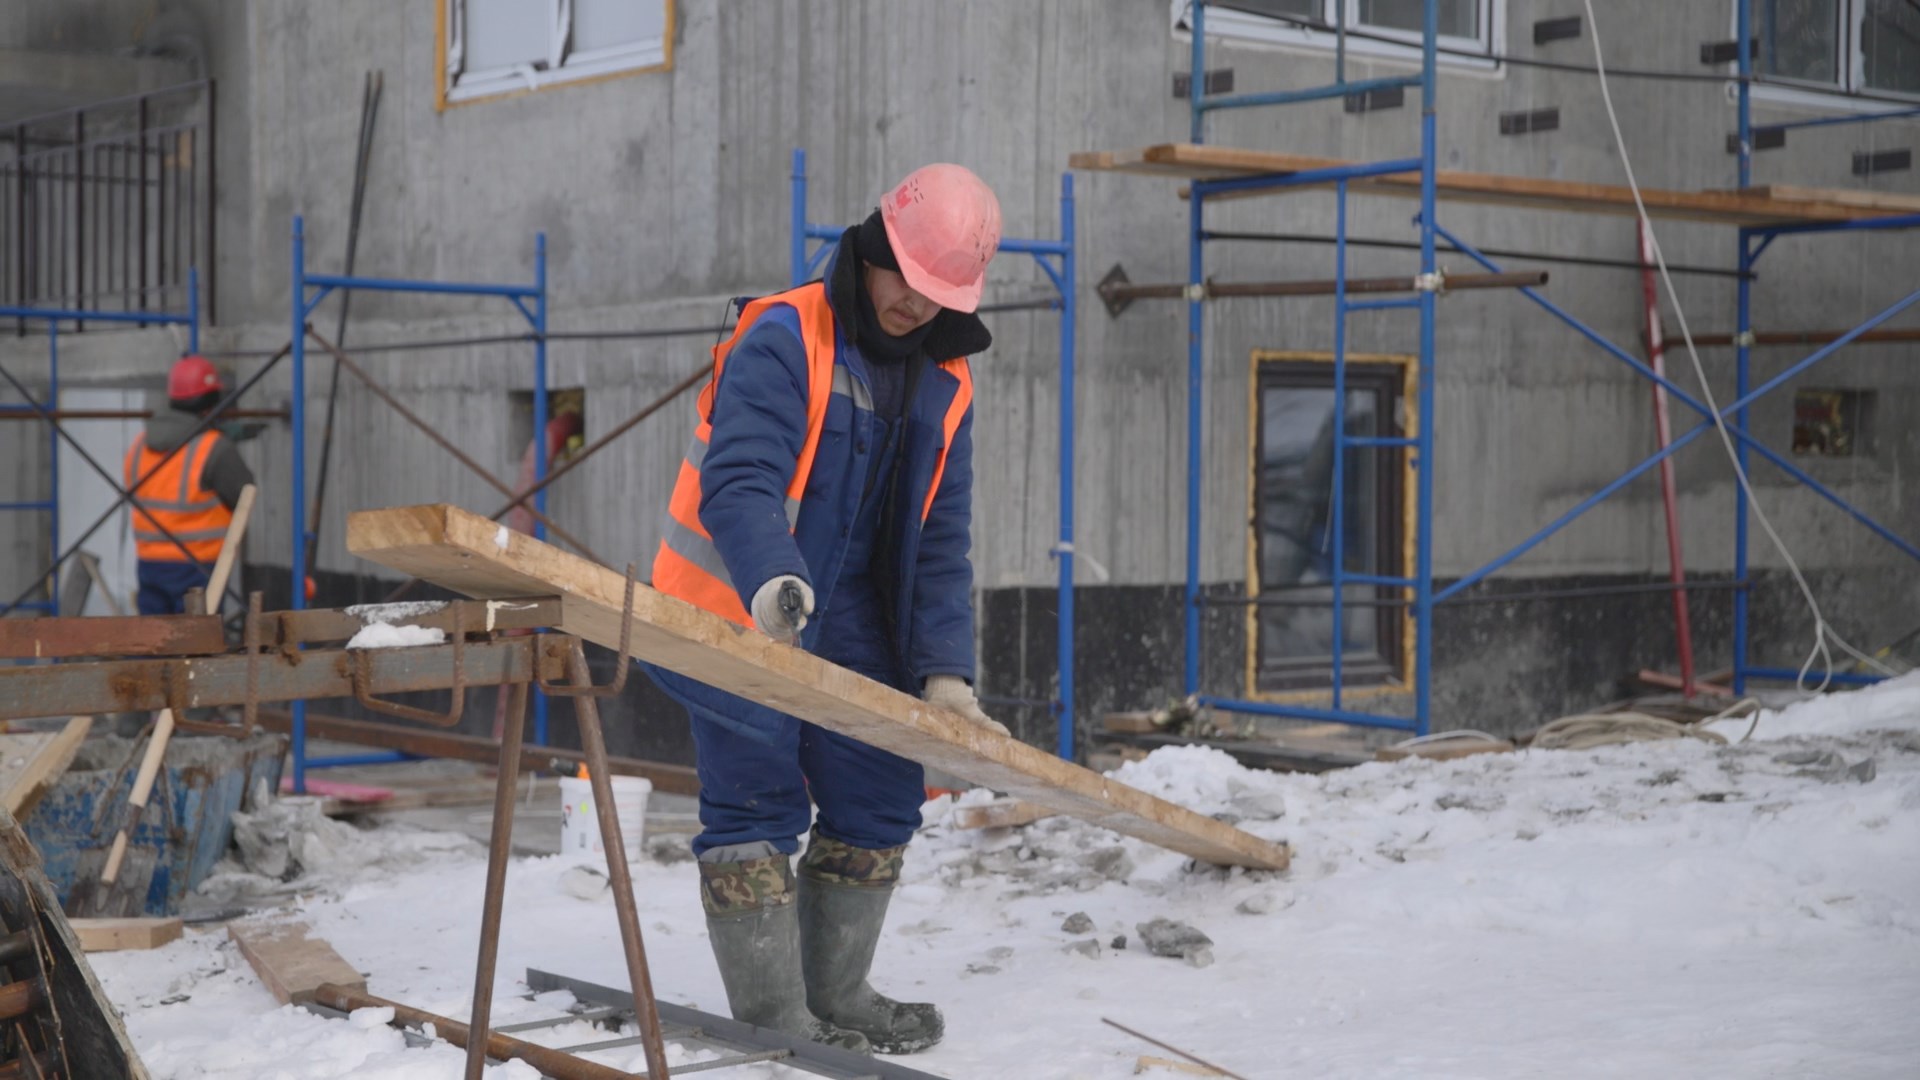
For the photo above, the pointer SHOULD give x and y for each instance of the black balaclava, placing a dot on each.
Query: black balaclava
(871, 245)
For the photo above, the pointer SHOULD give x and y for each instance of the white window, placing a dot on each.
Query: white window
(500, 46)
(1471, 32)
(1856, 47)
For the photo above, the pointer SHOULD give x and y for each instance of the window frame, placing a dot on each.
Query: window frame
(452, 86)
(1223, 22)
(1847, 94)
(1391, 672)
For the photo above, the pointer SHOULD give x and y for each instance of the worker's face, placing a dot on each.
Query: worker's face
(901, 310)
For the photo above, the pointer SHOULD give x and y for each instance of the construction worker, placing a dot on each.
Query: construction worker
(826, 501)
(191, 496)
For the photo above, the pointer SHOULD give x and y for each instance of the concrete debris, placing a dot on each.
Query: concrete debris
(1078, 923)
(285, 838)
(1090, 948)
(1111, 863)
(1199, 957)
(1165, 937)
(1119, 942)
(667, 848)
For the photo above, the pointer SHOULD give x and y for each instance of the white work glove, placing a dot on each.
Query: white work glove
(953, 692)
(776, 621)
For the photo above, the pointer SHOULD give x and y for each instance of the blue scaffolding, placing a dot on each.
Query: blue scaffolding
(47, 409)
(309, 290)
(1056, 259)
(1753, 241)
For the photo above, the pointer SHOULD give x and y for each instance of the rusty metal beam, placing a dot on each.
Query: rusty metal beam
(674, 779)
(1811, 337)
(340, 624)
(550, 1062)
(61, 637)
(1117, 292)
(106, 686)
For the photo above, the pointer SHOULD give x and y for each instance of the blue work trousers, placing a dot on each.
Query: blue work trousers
(164, 586)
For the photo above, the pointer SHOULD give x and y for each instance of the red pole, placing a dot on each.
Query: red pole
(1656, 358)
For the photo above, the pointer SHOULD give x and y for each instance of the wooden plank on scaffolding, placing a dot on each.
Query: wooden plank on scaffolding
(28, 769)
(290, 964)
(62, 637)
(1197, 162)
(462, 551)
(116, 935)
(1891, 202)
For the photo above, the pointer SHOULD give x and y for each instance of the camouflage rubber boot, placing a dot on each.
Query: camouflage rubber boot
(844, 891)
(753, 924)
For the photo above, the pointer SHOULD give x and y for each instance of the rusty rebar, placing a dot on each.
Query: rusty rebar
(646, 1012)
(499, 850)
(551, 1062)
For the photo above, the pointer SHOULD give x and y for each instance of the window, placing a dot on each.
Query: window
(1848, 46)
(1291, 628)
(1466, 25)
(500, 46)
(1831, 423)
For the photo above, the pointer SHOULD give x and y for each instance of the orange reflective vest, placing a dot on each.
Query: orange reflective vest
(687, 565)
(173, 498)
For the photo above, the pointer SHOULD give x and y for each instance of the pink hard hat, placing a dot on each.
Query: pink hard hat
(944, 225)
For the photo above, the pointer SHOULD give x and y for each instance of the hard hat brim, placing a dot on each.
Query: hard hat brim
(962, 298)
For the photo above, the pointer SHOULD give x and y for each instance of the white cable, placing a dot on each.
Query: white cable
(1822, 630)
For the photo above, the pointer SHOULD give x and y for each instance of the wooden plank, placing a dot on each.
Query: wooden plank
(469, 554)
(1130, 723)
(108, 686)
(673, 779)
(114, 935)
(22, 787)
(291, 964)
(1719, 207)
(1000, 814)
(111, 635)
(1892, 202)
(1443, 750)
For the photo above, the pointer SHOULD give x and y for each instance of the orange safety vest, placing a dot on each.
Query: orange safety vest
(688, 566)
(174, 498)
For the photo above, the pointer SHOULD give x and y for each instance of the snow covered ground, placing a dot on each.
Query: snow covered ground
(1660, 909)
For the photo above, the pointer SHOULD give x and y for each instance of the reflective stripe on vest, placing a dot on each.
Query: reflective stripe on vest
(688, 565)
(170, 498)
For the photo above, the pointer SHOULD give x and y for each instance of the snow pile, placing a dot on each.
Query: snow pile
(379, 635)
(1664, 909)
(1889, 706)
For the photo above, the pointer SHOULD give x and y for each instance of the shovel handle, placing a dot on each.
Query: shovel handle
(142, 788)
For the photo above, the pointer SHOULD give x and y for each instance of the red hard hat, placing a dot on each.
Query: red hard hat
(944, 225)
(191, 377)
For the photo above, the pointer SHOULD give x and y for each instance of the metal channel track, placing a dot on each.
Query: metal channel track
(749, 1044)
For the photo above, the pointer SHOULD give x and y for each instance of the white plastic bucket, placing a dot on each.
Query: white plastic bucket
(580, 824)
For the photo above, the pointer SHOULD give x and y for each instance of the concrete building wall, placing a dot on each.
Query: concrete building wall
(663, 194)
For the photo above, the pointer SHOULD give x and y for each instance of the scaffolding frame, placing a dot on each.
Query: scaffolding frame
(802, 266)
(1753, 241)
(308, 292)
(47, 410)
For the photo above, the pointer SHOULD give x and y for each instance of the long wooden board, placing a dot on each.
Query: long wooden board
(469, 554)
(1197, 162)
(27, 773)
